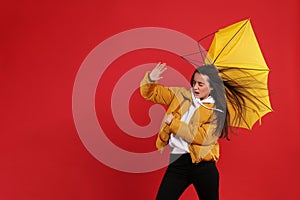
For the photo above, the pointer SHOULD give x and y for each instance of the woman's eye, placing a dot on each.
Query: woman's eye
(200, 84)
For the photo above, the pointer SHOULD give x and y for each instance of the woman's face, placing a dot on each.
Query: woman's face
(201, 87)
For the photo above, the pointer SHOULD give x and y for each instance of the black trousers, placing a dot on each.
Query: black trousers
(181, 173)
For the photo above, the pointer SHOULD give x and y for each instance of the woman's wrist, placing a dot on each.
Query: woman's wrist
(149, 78)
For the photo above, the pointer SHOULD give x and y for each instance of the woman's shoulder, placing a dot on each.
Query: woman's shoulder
(181, 90)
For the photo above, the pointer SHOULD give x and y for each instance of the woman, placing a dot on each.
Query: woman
(195, 119)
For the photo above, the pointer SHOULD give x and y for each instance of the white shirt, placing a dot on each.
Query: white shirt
(179, 145)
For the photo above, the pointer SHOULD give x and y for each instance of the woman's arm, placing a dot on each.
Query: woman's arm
(199, 131)
(154, 92)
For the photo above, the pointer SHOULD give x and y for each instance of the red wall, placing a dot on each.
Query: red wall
(43, 45)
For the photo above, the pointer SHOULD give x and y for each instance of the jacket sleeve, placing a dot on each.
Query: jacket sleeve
(155, 92)
(199, 131)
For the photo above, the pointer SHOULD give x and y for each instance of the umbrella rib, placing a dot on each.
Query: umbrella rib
(230, 40)
(190, 54)
(199, 45)
(250, 69)
(206, 36)
(192, 61)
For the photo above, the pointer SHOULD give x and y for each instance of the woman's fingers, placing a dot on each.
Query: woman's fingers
(156, 73)
(169, 118)
(161, 67)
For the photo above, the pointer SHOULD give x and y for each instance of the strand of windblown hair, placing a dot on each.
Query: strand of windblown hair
(237, 94)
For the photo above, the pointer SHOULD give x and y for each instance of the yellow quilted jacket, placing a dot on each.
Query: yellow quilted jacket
(199, 132)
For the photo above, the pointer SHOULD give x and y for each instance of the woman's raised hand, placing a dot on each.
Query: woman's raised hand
(156, 73)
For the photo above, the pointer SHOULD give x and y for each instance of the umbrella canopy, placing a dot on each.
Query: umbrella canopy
(237, 55)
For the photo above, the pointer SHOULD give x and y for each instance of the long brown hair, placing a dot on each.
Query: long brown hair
(227, 90)
(219, 95)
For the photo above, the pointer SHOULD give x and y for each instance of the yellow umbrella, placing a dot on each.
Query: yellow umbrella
(237, 55)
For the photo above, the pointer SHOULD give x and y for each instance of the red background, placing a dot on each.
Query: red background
(42, 47)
